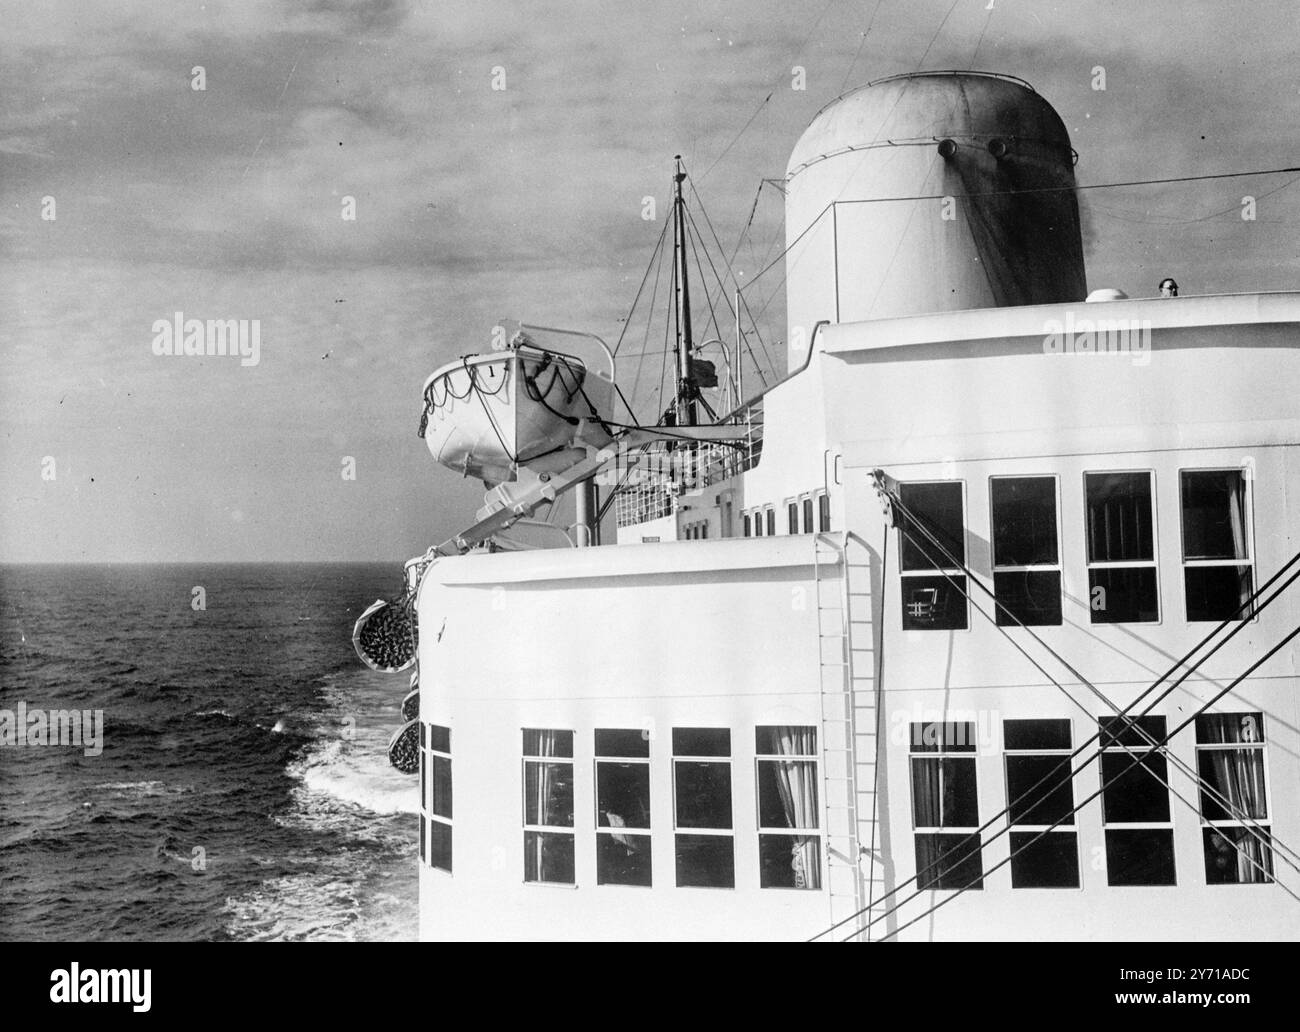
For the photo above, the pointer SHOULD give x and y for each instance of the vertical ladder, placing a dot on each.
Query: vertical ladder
(850, 731)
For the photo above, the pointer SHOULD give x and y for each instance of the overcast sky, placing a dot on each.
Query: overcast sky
(475, 204)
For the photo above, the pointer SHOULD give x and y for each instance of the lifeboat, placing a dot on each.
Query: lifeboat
(487, 415)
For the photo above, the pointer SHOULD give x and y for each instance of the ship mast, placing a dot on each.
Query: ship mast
(686, 415)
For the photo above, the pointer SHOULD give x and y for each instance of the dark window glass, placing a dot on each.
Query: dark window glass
(774, 780)
(1214, 514)
(824, 513)
(1028, 597)
(622, 795)
(1235, 855)
(706, 861)
(1050, 862)
(623, 859)
(758, 524)
(943, 736)
(1140, 856)
(937, 508)
(703, 795)
(934, 603)
(789, 862)
(747, 525)
(548, 794)
(1229, 728)
(1123, 594)
(807, 516)
(944, 793)
(1139, 794)
(440, 738)
(622, 742)
(1033, 803)
(440, 803)
(548, 743)
(1218, 592)
(771, 522)
(792, 517)
(768, 740)
(1119, 517)
(1024, 521)
(548, 857)
(440, 845)
(701, 741)
(948, 862)
(1237, 778)
(1130, 731)
(1036, 734)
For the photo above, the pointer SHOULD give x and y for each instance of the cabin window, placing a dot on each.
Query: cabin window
(771, 521)
(1234, 798)
(702, 807)
(808, 527)
(933, 585)
(1026, 553)
(758, 523)
(1122, 584)
(548, 806)
(1135, 804)
(945, 806)
(1218, 578)
(435, 791)
(789, 842)
(823, 513)
(622, 807)
(748, 528)
(1040, 792)
(792, 517)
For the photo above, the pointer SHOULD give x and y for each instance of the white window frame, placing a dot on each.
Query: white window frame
(814, 832)
(940, 754)
(648, 831)
(820, 497)
(1153, 563)
(731, 803)
(943, 572)
(1072, 828)
(1132, 752)
(1266, 823)
(792, 527)
(427, 754)
(1249, 481)
(1056, 567)
(549, 829)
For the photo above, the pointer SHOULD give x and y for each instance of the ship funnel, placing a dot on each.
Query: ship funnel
(931, 192)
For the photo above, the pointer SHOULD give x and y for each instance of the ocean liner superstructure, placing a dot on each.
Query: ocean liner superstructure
(978, 625)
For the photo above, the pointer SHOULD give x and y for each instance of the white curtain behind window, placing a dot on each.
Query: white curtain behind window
(797, 783)
(1239, 775)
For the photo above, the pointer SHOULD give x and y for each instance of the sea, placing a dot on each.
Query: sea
(243, 790)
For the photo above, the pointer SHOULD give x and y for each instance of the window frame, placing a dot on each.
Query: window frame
(945, 572)
(648, 831)
(1071, 829)
(769, 513)
(812, 833)
(1265, 822)
(689, 831)
(822, 503)
(1058, 567)
(1166, 826)
(1250, 563)
(1153, 563)
(792, 516)
(569, 830)
(427, 815)
(945, 750)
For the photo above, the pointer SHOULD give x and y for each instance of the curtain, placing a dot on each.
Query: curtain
(1237, 514)
(541, 801)
(927, 793)
(1238, 774)
(796, 781)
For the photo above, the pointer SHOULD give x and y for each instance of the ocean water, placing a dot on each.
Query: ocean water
(243, 791)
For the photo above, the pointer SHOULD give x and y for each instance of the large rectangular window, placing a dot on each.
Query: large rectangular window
(1234, 807)
(702, 807)
(1122, 582)
(548, 806)
(1218, 577)
(945, 806)
(622, 807)
(1026, 553)
(1040, 792)
(933, 586)
(1135, 808)
(436, 827)
(789, 840)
